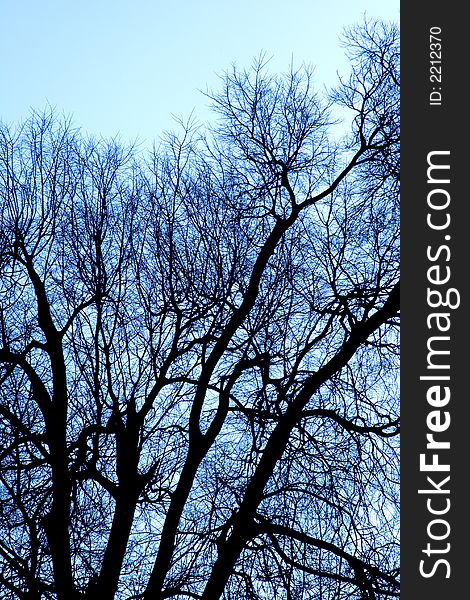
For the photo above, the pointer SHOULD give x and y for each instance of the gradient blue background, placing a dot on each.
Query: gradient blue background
(123, 67)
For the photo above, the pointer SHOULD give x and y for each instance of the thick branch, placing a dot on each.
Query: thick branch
(229, 550)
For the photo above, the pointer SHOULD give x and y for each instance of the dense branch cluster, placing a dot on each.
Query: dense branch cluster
(198, 353)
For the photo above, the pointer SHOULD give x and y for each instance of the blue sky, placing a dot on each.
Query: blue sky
(126, 66)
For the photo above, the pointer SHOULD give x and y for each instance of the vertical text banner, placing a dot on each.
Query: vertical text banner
(435, 458)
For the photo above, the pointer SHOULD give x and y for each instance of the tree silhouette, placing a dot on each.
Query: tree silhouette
(199, 349)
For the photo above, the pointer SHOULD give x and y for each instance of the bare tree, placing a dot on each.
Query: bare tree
(199, 349)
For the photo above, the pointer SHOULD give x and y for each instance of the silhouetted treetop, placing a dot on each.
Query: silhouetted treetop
(199, 348)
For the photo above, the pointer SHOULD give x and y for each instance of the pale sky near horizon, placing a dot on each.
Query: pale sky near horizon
(124, 67)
